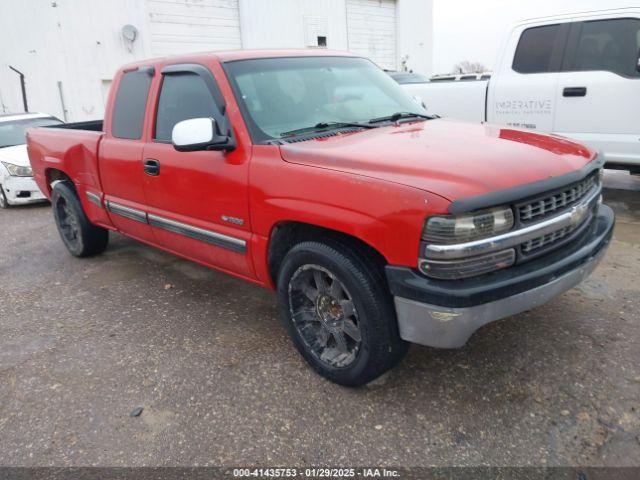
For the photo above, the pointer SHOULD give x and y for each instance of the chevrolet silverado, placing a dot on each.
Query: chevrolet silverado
(314, 174)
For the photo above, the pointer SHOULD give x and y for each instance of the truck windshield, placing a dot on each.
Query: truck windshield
(14, 132)
(278, 96)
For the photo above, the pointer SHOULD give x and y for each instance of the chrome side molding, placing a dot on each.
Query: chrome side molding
(127, 212)
(207, 236)
(93, 198)
(214, 238)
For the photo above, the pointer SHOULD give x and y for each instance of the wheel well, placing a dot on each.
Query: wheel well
(288, 234)
(54, 175)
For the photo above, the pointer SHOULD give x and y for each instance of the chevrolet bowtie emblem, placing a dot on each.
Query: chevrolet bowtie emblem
(578, 213)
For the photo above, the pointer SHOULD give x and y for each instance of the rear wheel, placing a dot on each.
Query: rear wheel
(338, 311)
(4, 203)
(80, 236)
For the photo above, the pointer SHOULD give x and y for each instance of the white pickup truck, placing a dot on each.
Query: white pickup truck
(573, 75)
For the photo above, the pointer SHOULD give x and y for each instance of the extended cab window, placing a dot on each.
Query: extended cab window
(183, 96)
(608, 45)
(130, 104)
(535, 50)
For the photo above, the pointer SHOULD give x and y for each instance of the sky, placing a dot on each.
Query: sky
(475, 29)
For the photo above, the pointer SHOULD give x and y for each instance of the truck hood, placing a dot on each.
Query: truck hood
(16, 155)
(452, 159)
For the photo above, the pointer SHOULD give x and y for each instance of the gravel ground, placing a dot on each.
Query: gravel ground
(85, 342)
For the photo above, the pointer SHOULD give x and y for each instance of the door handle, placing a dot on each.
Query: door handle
(574, 92)
(152, 167)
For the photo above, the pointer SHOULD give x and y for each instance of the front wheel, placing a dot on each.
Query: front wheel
(338, 311)
(79, 235)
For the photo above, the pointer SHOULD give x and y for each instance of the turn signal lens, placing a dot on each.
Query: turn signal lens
(468, 267)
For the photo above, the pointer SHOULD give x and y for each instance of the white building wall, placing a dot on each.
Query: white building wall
(75, 42)
(415, 34)
(291, 23)
(372, 30)
(79, 43)
(179, 26)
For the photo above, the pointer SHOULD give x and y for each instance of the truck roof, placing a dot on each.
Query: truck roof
(233, 55)
(578, 15)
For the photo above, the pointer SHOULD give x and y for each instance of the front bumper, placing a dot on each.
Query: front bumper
(445, 313)
(22, 190)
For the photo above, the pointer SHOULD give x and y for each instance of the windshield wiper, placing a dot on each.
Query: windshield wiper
(324, 126)
(399, 116)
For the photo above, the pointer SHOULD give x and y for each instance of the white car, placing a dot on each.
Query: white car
(573, 75)
(17, 186)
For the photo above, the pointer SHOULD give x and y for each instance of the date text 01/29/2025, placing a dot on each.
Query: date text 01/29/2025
(315, 473)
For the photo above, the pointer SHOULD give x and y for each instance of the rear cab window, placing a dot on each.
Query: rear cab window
(130, 104)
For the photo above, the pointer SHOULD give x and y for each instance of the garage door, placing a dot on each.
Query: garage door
(371, 26)
(183, 26)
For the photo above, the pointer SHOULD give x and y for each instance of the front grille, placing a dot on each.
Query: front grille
(566, 213)
(548, 239)
(551, 203)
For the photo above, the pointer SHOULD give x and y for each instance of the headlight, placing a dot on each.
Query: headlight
(454, 229)
(468, 227)
(17, 170)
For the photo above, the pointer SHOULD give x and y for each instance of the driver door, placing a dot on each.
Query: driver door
(197, 201)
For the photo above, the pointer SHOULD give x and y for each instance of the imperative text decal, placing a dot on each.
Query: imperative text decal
(524, 107)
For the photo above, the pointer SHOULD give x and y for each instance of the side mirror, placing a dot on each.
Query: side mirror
(199, 134)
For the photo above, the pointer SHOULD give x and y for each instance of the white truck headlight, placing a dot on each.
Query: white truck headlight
(451, 229)
(17, 170)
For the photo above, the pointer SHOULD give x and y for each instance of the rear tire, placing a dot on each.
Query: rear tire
(80, 236)
(4, 203)
(338, 311)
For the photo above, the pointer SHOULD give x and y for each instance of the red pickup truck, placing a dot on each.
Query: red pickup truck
(315, 174)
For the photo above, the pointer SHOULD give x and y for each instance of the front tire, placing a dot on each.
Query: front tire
(80, 236)
(337, 309)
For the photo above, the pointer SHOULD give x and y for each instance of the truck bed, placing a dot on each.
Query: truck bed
(91, 125)
(71, 148)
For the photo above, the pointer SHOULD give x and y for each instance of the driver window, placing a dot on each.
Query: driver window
(183, 96)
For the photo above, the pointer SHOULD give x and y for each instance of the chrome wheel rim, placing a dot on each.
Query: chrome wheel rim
(323, 313)
(68, 221)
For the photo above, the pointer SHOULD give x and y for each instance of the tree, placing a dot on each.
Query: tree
(469, 67)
